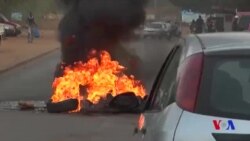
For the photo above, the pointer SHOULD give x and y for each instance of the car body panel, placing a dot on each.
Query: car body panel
(215, 42)
(225, 42)
(197, 127)
(173, 121)
(161, 125)
(192, 46)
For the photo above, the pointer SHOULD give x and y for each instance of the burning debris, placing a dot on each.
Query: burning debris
(39, 106)
(63, 106)
(90, 33)
(94, 81)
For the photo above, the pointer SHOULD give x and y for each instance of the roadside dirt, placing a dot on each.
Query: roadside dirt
(16, 50)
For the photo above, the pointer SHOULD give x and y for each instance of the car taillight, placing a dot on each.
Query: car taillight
(189, 76)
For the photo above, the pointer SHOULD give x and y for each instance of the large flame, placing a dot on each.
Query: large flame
(100, 76)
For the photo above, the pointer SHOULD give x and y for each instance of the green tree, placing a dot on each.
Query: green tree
(206, 5)
(38, 7)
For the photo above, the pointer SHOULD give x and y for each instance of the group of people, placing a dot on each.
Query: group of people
(199, 26)
(214, 24)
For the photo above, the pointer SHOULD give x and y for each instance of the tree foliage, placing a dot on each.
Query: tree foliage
(206, 5)
(38, 7)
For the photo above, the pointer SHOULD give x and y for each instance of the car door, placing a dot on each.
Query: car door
(161, 99)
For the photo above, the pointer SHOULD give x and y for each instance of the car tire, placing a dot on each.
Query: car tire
(62, 107)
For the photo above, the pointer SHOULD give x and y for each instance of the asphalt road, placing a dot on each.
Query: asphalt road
(32, 81)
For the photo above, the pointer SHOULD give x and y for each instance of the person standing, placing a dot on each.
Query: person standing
(209, 24)
(192, 26)
(31, 25)
(235, 23)
(199, 25)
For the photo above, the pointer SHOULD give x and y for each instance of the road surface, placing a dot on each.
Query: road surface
(32, 81)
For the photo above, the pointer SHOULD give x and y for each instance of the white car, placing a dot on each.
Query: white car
(11, 28)
(202, 92)
(156, 29)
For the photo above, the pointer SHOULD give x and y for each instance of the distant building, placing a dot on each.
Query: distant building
(188, 16)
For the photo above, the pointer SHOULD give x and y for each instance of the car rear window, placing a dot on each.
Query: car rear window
(225, 87)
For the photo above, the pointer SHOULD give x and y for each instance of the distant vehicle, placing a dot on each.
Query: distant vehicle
(244, 20)
(11, 28)
(157, 30)
(201, 92)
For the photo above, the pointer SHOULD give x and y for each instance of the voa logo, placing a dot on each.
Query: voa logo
(223, 125)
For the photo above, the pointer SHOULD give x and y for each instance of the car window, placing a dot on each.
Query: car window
(167, 88)
(226, 87)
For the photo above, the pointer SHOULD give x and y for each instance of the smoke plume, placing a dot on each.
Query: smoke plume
(97, 24)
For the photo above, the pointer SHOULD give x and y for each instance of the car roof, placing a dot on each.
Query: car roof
(212, 42)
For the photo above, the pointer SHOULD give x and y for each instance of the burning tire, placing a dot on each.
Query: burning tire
(126, 102)
(61, 107)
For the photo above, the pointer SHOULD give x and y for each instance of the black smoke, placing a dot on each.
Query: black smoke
(97, 24)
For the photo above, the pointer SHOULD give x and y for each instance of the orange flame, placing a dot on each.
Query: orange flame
(100, 77)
